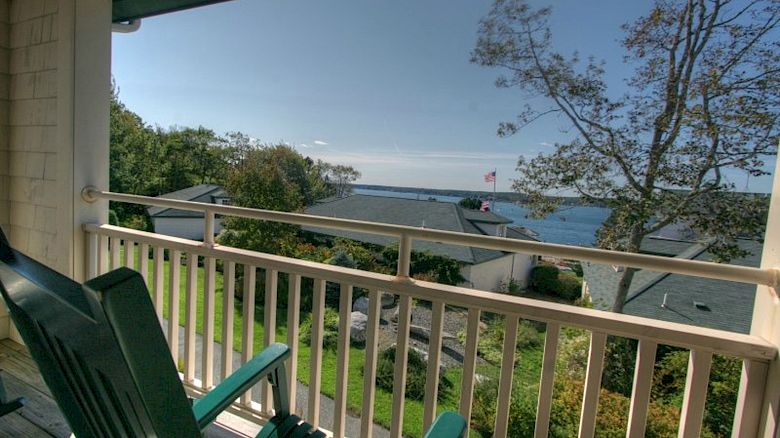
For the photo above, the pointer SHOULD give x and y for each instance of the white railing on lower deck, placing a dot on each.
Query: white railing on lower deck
(104, 244)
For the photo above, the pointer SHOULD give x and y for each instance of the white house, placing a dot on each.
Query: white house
(484, 269)
(184, 223)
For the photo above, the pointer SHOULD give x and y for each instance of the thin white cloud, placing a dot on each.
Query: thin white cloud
(304, 145)
(320, 143)
(545, 144)
(415, 158)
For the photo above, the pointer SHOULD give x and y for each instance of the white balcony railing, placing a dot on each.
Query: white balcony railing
(103, 251)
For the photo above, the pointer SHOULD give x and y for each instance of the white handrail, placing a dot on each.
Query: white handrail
(742, 274)
(662, 332)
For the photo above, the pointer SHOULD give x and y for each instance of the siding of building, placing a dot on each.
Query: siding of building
(28, 89)
(490, 274)
(184, 227)
(5, 54)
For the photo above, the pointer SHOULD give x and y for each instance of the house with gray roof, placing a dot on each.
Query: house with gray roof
(482, 268)
(183, 223)
(718, 304)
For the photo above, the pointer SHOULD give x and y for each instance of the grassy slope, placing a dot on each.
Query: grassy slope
(413, 409)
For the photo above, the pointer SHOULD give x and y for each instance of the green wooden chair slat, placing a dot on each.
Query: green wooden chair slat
(300, 431)
(448, 424)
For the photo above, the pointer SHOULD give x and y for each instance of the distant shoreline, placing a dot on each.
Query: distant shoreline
(513, 197)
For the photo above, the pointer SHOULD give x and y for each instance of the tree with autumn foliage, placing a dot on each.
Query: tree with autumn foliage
(703, 100)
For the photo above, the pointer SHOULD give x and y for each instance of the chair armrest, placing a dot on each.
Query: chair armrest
(218, 399)
(449, 425)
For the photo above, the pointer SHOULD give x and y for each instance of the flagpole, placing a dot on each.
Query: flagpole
(495, 177)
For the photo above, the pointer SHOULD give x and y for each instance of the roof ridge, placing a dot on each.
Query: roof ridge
(690, 253)
(211, 188)
(459, 211)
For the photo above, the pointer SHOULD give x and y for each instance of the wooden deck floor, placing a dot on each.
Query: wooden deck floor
(41, 417)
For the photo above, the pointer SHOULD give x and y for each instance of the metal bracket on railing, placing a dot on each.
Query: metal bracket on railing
(86, 194)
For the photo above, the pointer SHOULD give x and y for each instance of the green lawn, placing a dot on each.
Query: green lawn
(413, 409)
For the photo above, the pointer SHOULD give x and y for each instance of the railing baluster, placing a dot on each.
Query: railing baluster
(695, 394)
(129, 254)
(92, 256)
(143, 261)
(228, 319)
(103, 255)
(507, 372)
(342, 361)
(590, 398)
(158, 280)
(315, 366)
(174, 289)
(369, 370)
(469, 364)
(293, 330)
(643, 382)
(269, 330)
(399, 370)
(209, 307)
(544, 401)
(248, 334)
(115, 242)
(750, 398)
(434, 359)
(190, 315)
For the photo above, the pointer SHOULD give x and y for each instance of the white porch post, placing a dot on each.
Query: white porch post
(83, 119)
(766, 323)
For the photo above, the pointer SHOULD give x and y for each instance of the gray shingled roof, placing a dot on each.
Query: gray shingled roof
(520, 233)
(485, 216)
(729, 305)
(664, 246)
(199, 193)
(411, 212)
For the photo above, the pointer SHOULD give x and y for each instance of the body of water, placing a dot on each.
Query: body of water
(569, 225)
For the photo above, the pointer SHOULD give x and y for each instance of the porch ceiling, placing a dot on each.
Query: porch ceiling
(124, 10)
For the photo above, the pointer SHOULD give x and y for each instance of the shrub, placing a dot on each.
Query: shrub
(416, 371)
(725, 373)
(136, 222)
(491, 340)
(330, 335)
(611, 420)
(113, 219)
(576, 267)
(547, 279)
(511, 287)
(569, 287)
(544, 279)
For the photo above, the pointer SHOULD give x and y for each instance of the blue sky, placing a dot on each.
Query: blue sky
(383, 86)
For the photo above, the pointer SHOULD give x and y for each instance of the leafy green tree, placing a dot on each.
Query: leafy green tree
(270, 178)
(470, 203)
(134, 156)
(703, 99)
(192, 156)
(238, 146)
(340, 178)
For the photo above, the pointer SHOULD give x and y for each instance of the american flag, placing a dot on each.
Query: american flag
(490, 176)
(485, 206)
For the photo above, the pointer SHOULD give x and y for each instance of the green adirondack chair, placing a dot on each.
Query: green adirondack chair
(102, 352)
